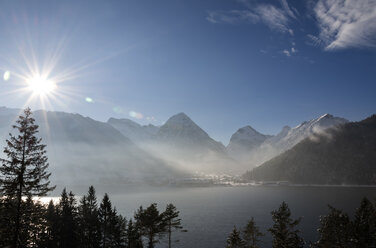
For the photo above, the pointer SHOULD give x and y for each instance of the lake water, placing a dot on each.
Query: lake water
(209, 213)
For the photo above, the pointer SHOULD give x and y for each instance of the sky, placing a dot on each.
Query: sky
(225, 63)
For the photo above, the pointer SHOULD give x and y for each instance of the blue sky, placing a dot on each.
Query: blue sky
(226, 63)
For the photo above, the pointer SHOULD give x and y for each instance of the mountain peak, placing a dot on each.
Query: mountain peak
(180, 116)
(248, 130)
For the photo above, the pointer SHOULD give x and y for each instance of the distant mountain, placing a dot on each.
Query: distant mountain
(286, 139)
(183, 142)
(134, 131)
(344, 154)
(84, 151)
(244, 141)
(179, 130)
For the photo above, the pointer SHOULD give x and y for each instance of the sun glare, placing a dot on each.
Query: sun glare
(41, 85)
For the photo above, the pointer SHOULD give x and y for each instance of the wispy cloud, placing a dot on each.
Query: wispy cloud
(276, 18)
(345, 23)
(232, 16)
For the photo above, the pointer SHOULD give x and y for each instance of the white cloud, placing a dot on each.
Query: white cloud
(287, 9)
(286, 52)
(276, 18)
(346, 23)
(232, 16)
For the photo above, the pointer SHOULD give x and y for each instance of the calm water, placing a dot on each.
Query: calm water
(209, 214)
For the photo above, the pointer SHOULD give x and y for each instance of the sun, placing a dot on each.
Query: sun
(40, 85)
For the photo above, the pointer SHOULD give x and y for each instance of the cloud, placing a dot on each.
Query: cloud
(232, 16)
(286, 52)
(345, 23)
(287, 9)
(276, 18)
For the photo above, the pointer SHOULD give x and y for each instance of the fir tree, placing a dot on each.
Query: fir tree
(285, 234)
(252, 235)
(89, 220)
(49, 238)
(335, 230)
(150, 223)
(234, 240)
(133, 236)
(364, 226)
(119, 230)
(24, 172)
(7, 217)
(107, 220)
(172, 220)
(68, 235)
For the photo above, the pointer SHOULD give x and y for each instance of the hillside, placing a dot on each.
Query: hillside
(345, 154)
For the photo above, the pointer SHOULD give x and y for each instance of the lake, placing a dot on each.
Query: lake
(209, 213)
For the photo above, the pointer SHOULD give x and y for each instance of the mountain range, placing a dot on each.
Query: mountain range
(82, 149)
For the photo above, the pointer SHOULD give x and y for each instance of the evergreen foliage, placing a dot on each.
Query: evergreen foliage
(133, 236)
(284, 230)
(150, 223)
(252, 235)
(89, 220)
(171, 220)
(23, 173)
(365, 225)
(234, 240)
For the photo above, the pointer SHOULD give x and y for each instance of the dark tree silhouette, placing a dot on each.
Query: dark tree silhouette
(364, 226)
(68, 229)
(252, 235)
(284, 230)
(49, 237)
(335, 230)
(150, 223)
(171, 220)
(234, 240)
(24, 172)
(89, 220)
(118, 230)
(133, 236)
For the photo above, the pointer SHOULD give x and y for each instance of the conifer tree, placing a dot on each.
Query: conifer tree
(133, 236)
(24, 172)
(49, 238)
(172, 220)
(107, 220)
(252, 235)
(234, 240)
(68, 233)
(335, 230)
(7, 217)
(364, 226)
(150, 223)
(284, 229)
(89, 220)
(119, 230)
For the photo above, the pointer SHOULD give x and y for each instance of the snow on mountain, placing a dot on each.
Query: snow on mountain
(304, 130)
(289, 137)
